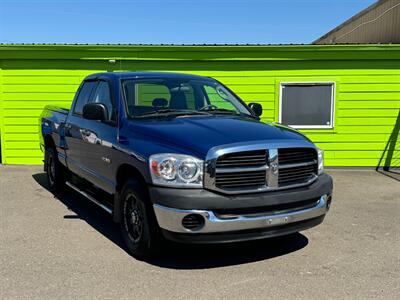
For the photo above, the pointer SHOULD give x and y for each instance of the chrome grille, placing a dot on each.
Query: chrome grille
(296, 165)
(262, 169)
(241, 170)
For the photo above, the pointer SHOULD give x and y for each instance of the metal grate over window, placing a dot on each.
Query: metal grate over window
(307, 105)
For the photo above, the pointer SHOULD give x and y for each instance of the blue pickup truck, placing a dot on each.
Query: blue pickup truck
(181, 157)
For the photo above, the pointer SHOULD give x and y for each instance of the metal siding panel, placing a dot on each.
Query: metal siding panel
(367, 100)
(2, 142)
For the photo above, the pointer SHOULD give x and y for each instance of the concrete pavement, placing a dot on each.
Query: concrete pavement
(65, 248)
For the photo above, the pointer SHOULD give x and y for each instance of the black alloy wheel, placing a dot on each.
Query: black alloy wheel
(139, 227)
(133, 217)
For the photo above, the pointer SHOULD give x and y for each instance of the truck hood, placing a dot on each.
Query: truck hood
(200, 133)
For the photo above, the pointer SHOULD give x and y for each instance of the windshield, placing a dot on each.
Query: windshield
(151, 97)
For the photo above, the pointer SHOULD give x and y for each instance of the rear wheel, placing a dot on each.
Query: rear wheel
(55, 172)
(139, 227)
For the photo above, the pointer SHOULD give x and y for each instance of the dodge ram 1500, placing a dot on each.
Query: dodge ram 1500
(181, 157)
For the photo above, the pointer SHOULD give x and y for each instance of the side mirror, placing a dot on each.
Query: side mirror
(256, 108)
(95, 111)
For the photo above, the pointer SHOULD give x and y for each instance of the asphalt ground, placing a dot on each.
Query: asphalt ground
(67, 248)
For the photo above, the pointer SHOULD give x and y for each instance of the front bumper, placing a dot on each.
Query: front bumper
(171, 219)
(227, 218)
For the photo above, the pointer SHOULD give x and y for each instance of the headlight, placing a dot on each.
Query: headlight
(320, 161)
(177, 170)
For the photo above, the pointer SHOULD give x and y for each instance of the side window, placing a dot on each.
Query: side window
(142, 97)
(83, 97)
(102, 95)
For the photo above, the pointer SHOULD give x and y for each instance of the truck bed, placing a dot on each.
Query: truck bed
(52, 122)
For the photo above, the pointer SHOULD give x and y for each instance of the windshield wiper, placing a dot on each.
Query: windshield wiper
(171, 112)
(225, 111)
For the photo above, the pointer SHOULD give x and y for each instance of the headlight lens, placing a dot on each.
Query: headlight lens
(188, 170)
(320, 161)
(166, 169)
(177, 170)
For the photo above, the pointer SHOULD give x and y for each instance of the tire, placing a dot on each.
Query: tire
(139, 227)
(55, 171)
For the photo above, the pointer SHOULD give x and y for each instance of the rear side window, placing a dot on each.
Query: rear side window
(145, 93)
(83, 96)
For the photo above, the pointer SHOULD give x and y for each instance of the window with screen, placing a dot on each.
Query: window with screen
(307, 105)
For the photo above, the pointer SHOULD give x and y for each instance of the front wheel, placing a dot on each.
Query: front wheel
(139, 227)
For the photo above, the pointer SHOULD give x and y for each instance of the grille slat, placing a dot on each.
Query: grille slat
(262, 156)
(294, 172)
(242, 163)
(295, 177)
(248, 184)
(295, 180)
(295, 160)
(297, 165)
(297, 154)
(240, 178)
(243, 159)
(241, 175)
(289, 177)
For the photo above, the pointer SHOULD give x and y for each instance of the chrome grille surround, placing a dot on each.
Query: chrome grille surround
(271, 168)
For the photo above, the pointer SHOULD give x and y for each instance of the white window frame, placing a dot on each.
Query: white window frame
(331, 126)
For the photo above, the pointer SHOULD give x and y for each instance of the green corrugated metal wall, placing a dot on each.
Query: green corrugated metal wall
(367, 81)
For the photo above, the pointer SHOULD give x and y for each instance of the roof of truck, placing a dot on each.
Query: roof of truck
(119, 75)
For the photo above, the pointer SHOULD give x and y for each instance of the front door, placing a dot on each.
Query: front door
(99, 139)
(76, 149)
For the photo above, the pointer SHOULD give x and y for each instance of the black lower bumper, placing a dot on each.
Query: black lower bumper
(243, 235)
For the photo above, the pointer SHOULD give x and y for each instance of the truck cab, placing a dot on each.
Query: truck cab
(181, 157)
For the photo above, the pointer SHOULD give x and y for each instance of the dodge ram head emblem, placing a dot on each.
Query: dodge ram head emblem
(274, 167)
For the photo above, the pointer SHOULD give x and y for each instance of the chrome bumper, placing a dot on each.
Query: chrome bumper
(171, 219)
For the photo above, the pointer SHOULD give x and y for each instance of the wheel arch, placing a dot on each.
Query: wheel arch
(48, 141)
(124, 172)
